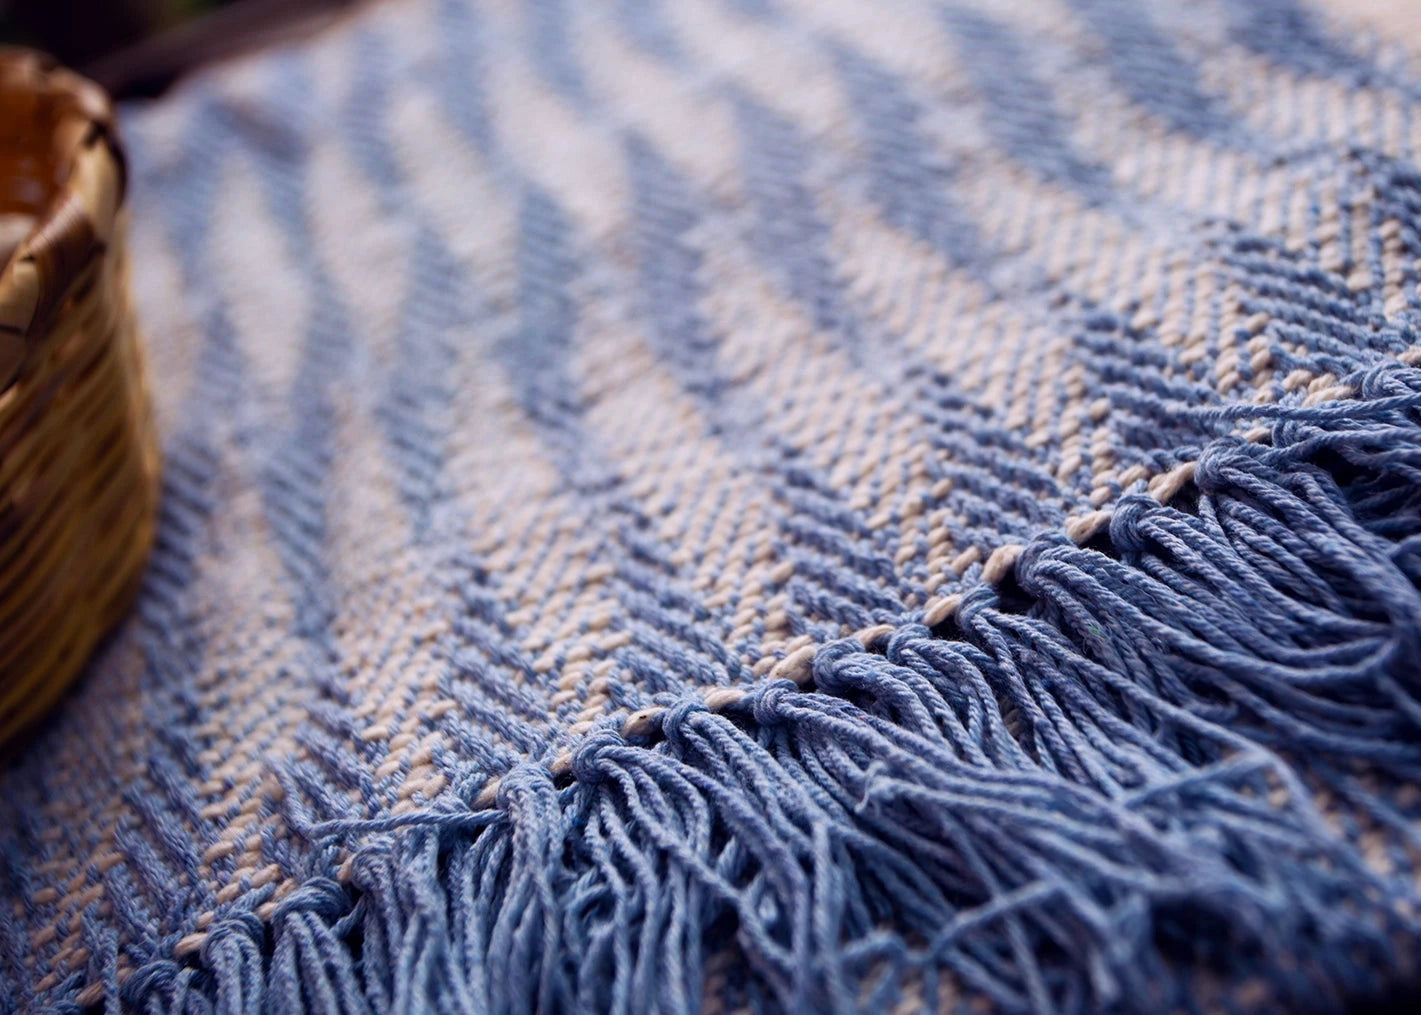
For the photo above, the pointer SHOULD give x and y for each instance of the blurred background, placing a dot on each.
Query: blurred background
(139, 47)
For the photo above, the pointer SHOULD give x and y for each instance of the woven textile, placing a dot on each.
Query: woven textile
(786, 505)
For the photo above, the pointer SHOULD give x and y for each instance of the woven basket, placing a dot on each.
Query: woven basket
(78, 461)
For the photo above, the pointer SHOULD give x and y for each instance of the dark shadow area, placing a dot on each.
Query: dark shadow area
(138, 48)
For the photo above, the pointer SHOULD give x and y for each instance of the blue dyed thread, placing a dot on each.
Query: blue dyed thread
(1136, 746)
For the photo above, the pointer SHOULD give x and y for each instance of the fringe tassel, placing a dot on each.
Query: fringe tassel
(1092, 789)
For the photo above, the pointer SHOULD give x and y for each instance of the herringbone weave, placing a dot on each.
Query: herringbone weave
(792, 505)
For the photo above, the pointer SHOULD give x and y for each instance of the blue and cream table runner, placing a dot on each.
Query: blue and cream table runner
(763, 505)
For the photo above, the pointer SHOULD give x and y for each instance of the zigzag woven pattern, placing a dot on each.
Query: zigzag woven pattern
(770, 505)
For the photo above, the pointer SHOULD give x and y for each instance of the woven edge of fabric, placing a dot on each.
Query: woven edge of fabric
(605, 869)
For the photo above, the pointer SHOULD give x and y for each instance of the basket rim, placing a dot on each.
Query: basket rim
(75, 225)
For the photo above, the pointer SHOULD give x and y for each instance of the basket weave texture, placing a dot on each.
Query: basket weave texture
(78, 457)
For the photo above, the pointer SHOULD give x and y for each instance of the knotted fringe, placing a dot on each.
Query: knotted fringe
(1095, 788)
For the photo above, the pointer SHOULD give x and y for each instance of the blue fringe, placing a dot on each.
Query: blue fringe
(1100, 774)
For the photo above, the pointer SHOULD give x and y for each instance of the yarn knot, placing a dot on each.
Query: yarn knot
(1216, 461)
(1127, 523)
(1027, 570)
(152, 979)
(903, 641)
(587, 764)
(976, 599)
(675, 721)
(769, 706)
(319, 896)
(830, 663)
(1389, 380)
(524, 783)
(243, 931)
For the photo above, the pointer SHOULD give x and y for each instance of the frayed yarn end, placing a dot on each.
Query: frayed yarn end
(1105, 792)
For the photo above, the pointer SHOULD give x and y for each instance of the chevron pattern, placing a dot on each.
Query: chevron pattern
(777, 506)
